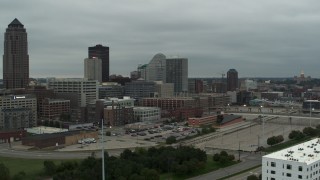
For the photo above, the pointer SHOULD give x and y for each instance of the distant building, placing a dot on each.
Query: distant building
(164, 89)
(18, 112)
(41, 93)
(217, 101)
(140, 89)
(142, 71)
(297, 162)
(195, 86)
(110, 90)
(248, 85)
(168, 103)
(311, 105)
(93, 69)
(301, 78)
(96, 108)
(147, 114)
(52, 109)
(79, 91)
(101, 52)
(156, 69)
(197, 122)
(15, 57)
(177, 73)
(232, 80)
(118, 116)
(219, 87)
(271, 96)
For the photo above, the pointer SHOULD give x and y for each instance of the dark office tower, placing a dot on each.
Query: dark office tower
(177, 73)
(232, 80)
(101, 52)
(15, 57)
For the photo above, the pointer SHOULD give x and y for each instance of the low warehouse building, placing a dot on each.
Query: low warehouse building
(58, 139)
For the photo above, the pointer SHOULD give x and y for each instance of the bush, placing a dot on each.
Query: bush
(274, 140)
(309, 131)
(252, 177)
(223, 157)
(223, 153)
(171, 140)
(296, 134)
(231, 157)
(216, 157)
(108, 133)
(49, 167)
(4, 172)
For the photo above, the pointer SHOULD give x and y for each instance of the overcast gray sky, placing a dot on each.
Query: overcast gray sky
(264, 38)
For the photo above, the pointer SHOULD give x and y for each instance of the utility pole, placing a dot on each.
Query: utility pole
(102, 151)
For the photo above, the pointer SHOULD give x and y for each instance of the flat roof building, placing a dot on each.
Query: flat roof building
(301, 161)
(18, 112)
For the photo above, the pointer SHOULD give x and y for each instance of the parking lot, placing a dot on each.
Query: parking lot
(120, 138)
(250, 138)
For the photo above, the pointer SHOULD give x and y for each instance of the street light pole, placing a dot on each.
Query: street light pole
(239, 151)
(310, 115)
(262, 124)
(102, 151)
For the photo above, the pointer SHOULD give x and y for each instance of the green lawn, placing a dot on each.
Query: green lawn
(210, 166)
(32, 167)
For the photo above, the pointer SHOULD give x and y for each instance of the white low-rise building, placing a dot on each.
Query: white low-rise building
(145, 114)
(301, 161)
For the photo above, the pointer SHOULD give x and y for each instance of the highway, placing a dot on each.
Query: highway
(5, 151)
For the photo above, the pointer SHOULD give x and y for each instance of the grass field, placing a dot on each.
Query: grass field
(32, 167)
(210, 166)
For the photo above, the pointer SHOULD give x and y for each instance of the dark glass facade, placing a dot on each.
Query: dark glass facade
(101, 52)
(15, 57)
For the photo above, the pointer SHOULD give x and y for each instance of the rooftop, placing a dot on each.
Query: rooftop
(307, 152)
(15, 23)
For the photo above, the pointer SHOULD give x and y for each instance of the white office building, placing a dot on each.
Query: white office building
(298, 162)
(83, 89)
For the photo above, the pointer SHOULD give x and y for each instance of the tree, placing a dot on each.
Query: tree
(20, 176)
(223, 159)
(216, 157)
(151, 174)
(252, 177)
(309, 131)
(4, 172)
(223, 153)
(296, 134)
(171, 140)
(181, 169)
(271, 141)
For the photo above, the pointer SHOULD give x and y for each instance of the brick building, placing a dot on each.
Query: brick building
(53, 108)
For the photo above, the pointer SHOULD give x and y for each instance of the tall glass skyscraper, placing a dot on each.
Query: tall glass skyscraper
(177, 73)
(15, 57)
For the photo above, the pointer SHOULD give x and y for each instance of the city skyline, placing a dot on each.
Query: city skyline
(258, 39)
